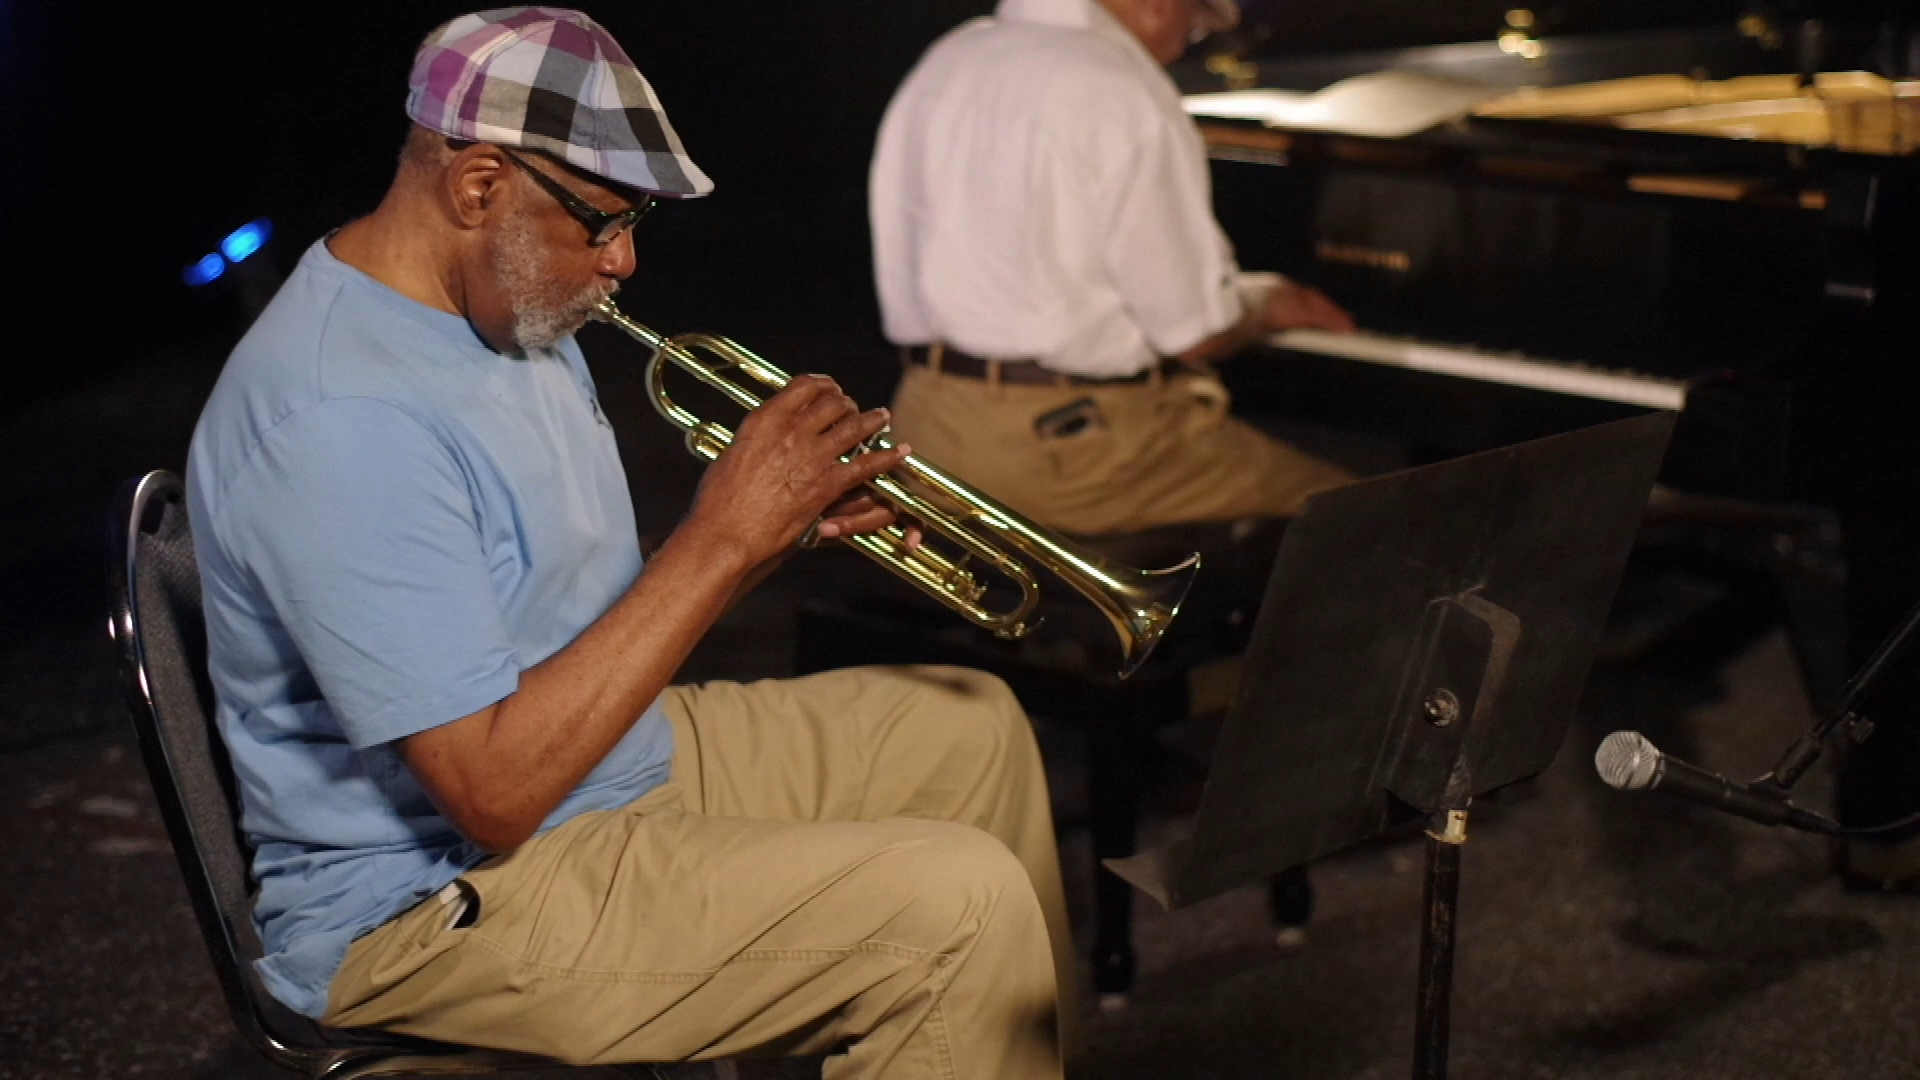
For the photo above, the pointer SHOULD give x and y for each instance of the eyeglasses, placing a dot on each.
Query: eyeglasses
(602, 227)
(1212, 17)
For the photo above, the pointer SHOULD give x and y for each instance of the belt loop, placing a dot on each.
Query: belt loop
(936, 353)
(1157, 374)
(993, 375)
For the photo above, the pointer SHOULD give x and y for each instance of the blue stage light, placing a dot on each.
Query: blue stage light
(246, 239)
(207, 268)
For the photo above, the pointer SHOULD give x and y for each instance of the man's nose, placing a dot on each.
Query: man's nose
(617, 259)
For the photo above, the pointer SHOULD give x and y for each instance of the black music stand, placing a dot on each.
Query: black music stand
(1423, 640)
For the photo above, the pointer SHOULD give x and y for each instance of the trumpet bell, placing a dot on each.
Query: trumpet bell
(1146, 607)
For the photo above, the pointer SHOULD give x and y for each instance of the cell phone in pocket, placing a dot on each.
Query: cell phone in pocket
(1073, 418)
(462, 904)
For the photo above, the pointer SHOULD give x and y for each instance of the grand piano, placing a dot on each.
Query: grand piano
(1704, 207)
(1517, 275)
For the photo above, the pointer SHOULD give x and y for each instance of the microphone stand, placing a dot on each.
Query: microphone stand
(1844, 717)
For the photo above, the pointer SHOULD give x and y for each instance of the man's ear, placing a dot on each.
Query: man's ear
(472, 183)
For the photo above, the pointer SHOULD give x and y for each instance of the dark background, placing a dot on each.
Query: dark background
(135, 141)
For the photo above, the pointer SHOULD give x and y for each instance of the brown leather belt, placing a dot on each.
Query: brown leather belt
(948, 360)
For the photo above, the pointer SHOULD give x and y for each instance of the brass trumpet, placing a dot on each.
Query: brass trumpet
(1139, 603)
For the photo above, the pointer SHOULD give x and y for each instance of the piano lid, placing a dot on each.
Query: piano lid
(1850, 83)
(1852, 111)
(1283, 29)
(1289, 45)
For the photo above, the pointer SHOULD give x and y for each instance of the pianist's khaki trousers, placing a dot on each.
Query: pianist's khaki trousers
(861, 858)
(1155, 453)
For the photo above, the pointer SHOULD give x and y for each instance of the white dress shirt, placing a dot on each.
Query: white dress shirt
(1037, 191)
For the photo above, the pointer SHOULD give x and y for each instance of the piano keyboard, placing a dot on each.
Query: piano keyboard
(1558, 377)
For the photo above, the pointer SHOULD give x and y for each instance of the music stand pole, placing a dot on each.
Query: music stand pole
(1433, 1011)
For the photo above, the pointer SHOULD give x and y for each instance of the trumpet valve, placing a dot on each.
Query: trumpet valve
(706, 440)
(965, 586)
(960, 581)
(1015, 631)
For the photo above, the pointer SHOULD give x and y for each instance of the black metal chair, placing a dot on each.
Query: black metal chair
(156, 621)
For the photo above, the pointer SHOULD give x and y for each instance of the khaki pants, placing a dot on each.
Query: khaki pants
(1156, 453)
(859, 859)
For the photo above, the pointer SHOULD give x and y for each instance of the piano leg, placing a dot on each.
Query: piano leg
(1118, 745)
(1864, 444)
(1880, 778)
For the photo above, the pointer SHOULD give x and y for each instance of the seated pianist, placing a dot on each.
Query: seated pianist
(1048, 262)
(1047, 259)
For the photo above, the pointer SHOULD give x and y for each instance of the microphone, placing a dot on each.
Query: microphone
(1628, 761)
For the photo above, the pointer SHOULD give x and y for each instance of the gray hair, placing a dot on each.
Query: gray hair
(426, 149)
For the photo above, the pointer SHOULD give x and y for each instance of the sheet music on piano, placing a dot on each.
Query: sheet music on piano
(1382, 104)
(1553, 376)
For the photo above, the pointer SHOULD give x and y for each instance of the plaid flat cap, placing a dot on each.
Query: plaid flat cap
(554, 80)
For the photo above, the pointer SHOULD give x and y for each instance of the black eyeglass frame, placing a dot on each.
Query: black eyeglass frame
(603, 227)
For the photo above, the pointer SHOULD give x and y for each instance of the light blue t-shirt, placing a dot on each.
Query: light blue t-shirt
(393, 521)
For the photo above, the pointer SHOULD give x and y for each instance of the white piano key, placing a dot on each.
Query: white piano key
(1627, 388)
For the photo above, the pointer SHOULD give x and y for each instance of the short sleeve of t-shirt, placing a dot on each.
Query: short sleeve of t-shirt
(1163, 250)
(363, 536)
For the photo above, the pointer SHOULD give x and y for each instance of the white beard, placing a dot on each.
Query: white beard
(543, 316)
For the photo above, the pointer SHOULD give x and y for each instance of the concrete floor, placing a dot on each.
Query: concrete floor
(1600, 936)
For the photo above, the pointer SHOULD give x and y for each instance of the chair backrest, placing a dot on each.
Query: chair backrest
(156, 621)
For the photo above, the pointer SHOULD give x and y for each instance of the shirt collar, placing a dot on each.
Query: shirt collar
(445, 323)
(1075, 14)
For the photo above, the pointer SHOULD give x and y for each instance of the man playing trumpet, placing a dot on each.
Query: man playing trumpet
(479, 811)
